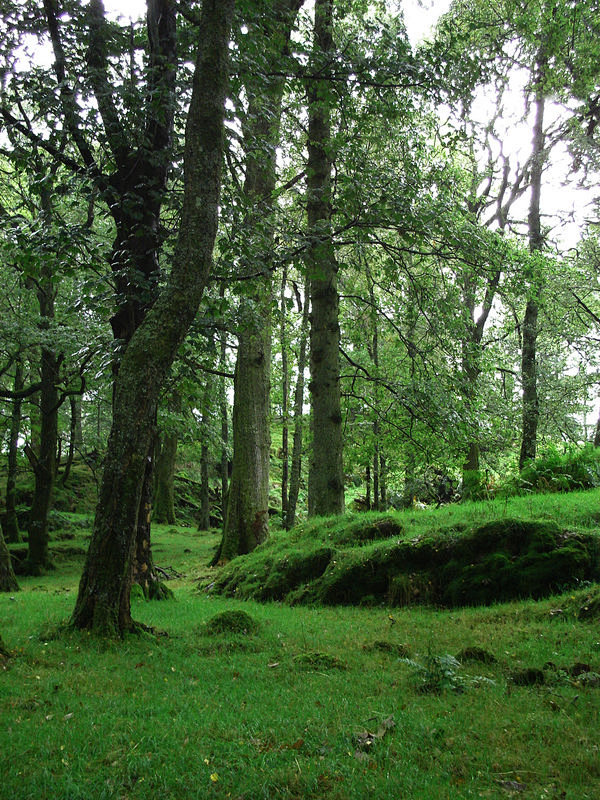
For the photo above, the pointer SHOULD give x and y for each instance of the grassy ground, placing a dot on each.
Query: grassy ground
(317, 703)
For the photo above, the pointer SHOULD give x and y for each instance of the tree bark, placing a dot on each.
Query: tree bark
(11, 523)
(166, 456)
(326, 472)
(204, 520)
(285, 389)
(247, 519)
(8, 581)
(224, 414)
(531, 408)
(296, 462)
(103, 602)
(74, 432)
(44, 462)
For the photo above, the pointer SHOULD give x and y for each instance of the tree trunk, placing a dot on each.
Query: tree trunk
(73, 432)
(531, 409)
(204, 520)
(103, 602)
(326, 472)
(247, 521)
(11, 523)
(296, 463)
(597, 433)
(143, 572)
(224, 413)
(368, 484)
(44, 462)
(8, 582)
(285, 389)
(166, 458)
(383, 502)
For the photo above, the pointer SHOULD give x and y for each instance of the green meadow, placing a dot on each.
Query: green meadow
(305, 701)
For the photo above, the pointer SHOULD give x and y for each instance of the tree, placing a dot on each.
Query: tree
(8, 581)
(326, 471)
(103, 602)
(247, 519)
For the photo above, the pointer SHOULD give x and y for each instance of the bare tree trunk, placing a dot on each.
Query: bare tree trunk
(103, 602)
(326, 471)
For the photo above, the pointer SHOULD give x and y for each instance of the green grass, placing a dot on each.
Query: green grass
(312, 703)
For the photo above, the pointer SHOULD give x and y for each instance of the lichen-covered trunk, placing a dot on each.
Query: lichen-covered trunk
(326, 472)
(10, 523)
(103, 602)
(298, 438)
(8, 582)
(531, 407)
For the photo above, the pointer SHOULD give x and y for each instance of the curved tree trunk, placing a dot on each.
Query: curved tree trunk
(103, 602)
(326, 471)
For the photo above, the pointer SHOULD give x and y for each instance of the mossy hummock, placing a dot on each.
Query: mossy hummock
(501, 560)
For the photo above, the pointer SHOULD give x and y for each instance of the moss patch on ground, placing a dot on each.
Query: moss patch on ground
(350, 562)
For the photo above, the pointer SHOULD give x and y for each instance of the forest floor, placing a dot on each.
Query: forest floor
(333, 702)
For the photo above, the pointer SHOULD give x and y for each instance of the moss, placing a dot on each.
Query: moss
(234, 621)
(501, 560)
(368, 531)
(319, 661)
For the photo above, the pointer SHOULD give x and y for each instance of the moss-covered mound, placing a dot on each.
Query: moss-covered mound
(498, 561)
(232, 621)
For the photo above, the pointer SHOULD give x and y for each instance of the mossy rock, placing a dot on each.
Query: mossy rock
(234, 621)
